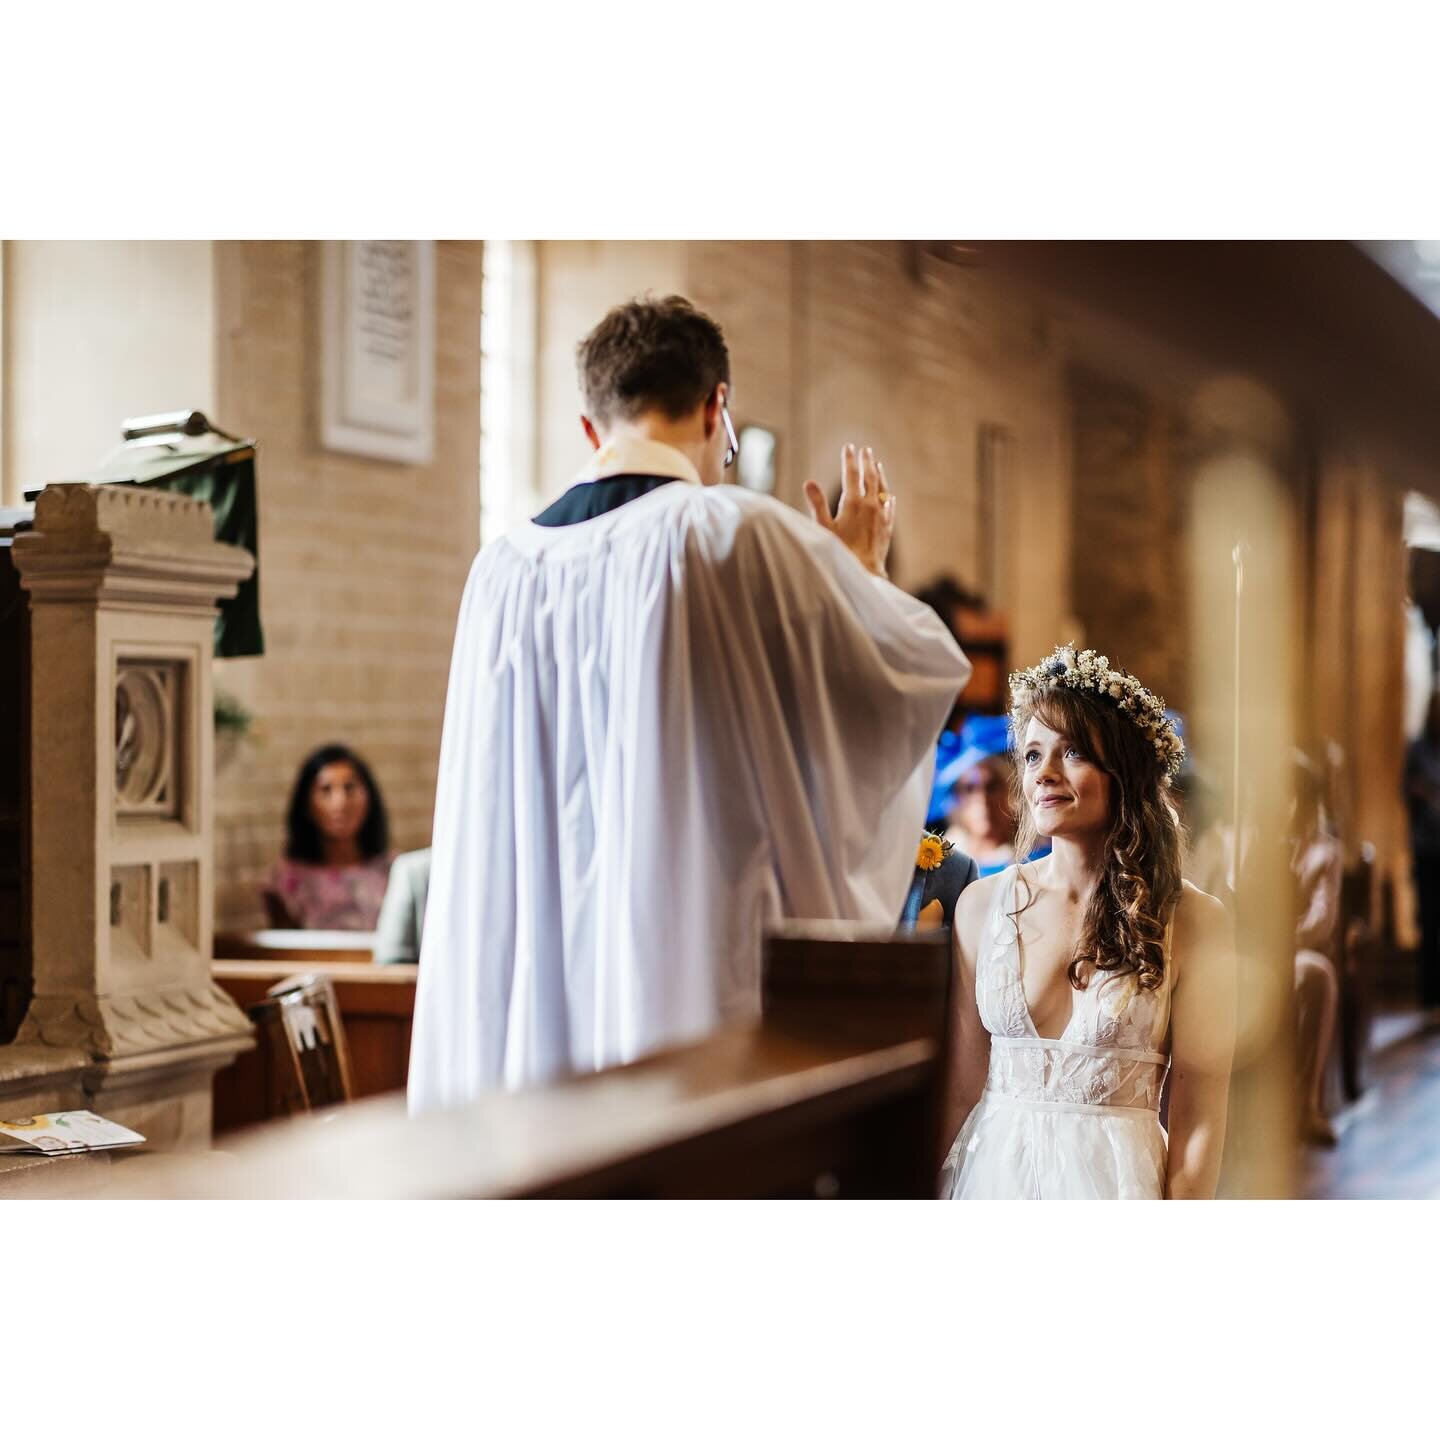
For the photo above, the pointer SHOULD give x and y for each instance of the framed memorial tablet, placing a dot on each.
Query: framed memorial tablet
(378, 349)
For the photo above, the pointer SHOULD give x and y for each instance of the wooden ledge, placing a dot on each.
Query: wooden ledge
(730, 1115)
(340, 971)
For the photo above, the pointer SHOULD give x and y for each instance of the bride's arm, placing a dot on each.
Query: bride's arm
(1202, 1044)
(969, 1039)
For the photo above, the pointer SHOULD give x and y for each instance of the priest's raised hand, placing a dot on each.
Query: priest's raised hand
(864, 521)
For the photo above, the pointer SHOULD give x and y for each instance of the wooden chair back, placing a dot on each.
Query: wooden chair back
(377, 1008)
(301, 1040)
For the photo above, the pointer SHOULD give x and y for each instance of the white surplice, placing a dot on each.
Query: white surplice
(666, 726)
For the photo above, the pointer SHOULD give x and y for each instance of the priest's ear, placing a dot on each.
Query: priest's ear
(591, 434)
(712, 408)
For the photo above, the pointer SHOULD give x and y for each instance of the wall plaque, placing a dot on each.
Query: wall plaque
(378, 349)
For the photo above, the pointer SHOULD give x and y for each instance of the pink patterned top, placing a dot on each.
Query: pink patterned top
(331, 897)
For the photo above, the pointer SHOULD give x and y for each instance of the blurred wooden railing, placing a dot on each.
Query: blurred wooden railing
(834, 1091)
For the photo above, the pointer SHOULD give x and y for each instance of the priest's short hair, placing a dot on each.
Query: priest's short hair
(651, 354)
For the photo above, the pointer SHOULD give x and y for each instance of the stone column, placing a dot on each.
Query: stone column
(125, 1019)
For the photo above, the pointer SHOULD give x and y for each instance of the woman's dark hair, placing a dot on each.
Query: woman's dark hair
(303, 840)
(1125, 923)
(651, 355)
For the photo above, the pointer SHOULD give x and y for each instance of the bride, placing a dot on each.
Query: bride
(1084, 975)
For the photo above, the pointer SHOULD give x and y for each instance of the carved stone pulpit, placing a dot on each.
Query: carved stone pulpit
(124, 1018)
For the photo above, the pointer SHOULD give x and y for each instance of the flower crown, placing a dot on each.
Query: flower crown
(1089, 671)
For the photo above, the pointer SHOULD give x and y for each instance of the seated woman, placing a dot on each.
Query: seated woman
(337, 856)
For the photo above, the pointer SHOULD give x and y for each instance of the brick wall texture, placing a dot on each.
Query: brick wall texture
(362, 561)
(878, 342)
(834, 340)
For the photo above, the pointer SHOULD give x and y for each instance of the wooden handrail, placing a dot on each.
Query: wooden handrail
(834, 1090)
(270, 969)
(735, 1115)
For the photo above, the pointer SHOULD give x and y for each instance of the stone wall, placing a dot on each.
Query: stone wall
(867, 341)
(1131, 586)
(362, 561)
(874, 342)
(879, 342)
(577, 281)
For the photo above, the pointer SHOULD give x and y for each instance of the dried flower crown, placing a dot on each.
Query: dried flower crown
(1086, 670)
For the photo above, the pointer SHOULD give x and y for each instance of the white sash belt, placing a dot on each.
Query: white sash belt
(1070, 1107)
(1100, 1052)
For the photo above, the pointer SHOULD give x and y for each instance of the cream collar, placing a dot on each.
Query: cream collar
(633, 455)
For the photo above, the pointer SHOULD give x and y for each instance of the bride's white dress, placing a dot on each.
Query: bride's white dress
(1076, 1118)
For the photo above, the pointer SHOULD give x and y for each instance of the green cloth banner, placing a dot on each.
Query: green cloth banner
(228, 487)
(184, 456)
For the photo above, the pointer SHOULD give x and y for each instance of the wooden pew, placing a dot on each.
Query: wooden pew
(377, 1006)
(834, 1091)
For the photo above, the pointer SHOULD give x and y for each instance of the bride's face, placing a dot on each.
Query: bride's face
(1068, 793)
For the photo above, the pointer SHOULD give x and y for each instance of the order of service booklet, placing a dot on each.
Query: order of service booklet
(62, 1132)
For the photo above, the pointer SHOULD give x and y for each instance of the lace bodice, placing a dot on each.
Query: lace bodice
(1114, 1051)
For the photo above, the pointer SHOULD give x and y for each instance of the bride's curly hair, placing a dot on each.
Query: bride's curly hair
(1134, 899)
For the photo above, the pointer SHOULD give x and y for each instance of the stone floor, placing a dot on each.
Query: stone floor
(1389, 1147)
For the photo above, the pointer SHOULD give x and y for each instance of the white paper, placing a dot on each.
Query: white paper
(63, 1131)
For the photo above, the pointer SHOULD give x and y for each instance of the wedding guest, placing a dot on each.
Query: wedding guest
(942, 871)
(337, 857)
(401, 926)
(953, 603)
(1422, 795)
(979, 784)
(961, 610)
(942, 800)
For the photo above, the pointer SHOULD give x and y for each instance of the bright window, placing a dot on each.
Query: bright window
(508, 493)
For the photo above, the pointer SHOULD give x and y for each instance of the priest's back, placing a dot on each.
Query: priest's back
(668, 724)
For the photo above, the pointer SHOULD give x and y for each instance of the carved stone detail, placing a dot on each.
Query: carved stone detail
(122, 512)
(123, 583)
(111, 1026)
(121, 545)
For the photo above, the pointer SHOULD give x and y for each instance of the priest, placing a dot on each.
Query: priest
(678, 711)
